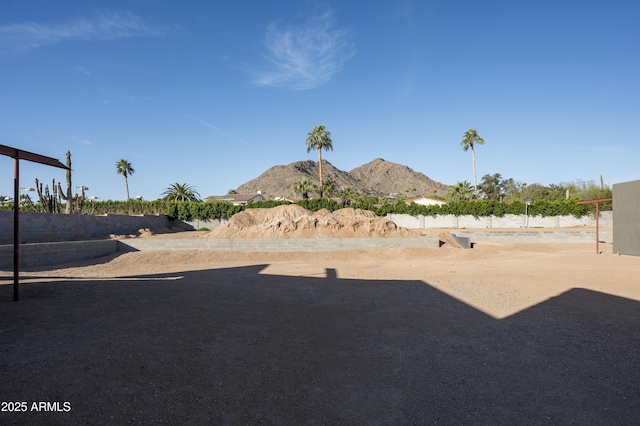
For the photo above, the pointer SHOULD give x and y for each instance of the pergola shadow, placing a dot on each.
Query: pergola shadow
(237, 346)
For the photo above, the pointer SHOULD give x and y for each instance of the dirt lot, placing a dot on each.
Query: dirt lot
(499, 334)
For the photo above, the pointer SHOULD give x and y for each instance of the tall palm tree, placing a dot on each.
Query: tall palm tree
(123, 167)
(303, 187)
(319, 138)
(470, 139)
(181, 192)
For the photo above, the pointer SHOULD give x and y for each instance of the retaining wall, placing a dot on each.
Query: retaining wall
(276, 244)
(493, 222)
(43, 254)
(66, 226)
(33, 226)
(518, 236)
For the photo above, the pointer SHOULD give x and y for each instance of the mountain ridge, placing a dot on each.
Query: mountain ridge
(377, 178)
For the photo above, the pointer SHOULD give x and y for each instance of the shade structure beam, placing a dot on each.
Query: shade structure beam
(17, 155)
(597, 202)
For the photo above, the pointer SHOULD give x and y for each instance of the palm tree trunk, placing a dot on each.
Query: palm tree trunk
(320, 166)
(126, 183)
(473, 159)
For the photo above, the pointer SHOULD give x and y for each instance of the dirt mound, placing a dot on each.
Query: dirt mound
(448, 239)
(147, 232)
(293, 221)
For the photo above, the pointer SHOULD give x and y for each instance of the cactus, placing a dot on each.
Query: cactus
(52, 202)
(49, 203)
(74, 204)
(68, 197)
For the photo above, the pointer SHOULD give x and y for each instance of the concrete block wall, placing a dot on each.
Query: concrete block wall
(35, 225)
(43, 254)
(274, 244)
(209, 224)
(527, 237)
(494, 222)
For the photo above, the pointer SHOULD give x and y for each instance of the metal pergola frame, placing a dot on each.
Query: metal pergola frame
(17, 155)
(597, 203)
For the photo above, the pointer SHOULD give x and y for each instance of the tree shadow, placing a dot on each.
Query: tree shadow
(236, 346)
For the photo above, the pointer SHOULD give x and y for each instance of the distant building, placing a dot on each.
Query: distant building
(423, 201)
(237, 199)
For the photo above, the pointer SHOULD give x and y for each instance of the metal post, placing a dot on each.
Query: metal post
(597, 203)
(16, 229)
(597, 227)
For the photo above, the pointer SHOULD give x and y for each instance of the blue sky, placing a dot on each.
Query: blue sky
(213, 93)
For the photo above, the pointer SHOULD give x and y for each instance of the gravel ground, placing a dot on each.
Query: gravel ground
(500, 334)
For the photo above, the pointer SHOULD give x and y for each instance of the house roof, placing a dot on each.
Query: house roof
(235, 198)
(425, 200)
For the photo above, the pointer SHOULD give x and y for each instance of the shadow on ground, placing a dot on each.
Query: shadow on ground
(234, 346)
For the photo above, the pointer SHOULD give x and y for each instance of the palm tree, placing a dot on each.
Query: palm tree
(319, 138)
(348, 195)
(470, 139)
(461, 191)
(181, 192)
(304, 186)
(123, 167)
(328, 187)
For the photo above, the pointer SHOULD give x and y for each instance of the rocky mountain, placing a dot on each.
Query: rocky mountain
(378, 177)
(389, 178)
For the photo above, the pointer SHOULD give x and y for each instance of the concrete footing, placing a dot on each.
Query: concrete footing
(526, 237)
(43, 254)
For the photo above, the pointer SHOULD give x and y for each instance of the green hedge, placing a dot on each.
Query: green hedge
(489, 208)
(224, 210)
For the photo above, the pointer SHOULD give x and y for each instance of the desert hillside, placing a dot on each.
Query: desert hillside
(378, 177)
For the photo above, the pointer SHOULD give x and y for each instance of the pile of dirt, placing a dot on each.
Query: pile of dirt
(147, 232)
(293, 221)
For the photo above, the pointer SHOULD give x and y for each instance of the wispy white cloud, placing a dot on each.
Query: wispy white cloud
(304, 55)
(222, 132)
(109, 25)
(78, 139)
(82, 70)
